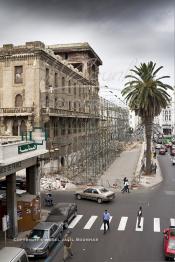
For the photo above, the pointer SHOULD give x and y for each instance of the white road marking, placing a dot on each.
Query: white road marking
(122, 223)
(172, 222)
(156, 224)
(90, 222)
(102, 226)
(141, 224)
(75, 221)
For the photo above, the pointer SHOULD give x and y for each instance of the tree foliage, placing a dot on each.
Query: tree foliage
(146, 94)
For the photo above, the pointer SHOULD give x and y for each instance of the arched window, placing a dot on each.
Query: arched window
(18, 101)
(69, 84)
(62, 161)
(75, 89)
(56, 102)
(63, 81)
(15, 128)
(63, 84)
(23, 128)
(47, 101)
(93, 72)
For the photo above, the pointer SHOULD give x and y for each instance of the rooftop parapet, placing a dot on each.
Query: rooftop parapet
(29, 47)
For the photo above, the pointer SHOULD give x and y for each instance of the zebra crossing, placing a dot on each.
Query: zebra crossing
(156, 225)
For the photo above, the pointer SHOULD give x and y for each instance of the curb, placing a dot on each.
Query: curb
(158, 175)
(138, 166)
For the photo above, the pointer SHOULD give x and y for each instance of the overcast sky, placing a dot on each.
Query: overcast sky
(122, 32)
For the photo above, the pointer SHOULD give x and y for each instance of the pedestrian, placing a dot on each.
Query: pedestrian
(106, 218)
(67, 242)
(154, 154)
(124, 180)
(49, 200)
(139, 216)
(155, 168)
(127, 186)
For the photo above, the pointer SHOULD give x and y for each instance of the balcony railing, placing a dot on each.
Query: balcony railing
(16, 111)
(68, 113)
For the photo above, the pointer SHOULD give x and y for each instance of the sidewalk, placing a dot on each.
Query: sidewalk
(151, 180)
(129, 165)
(123, 166)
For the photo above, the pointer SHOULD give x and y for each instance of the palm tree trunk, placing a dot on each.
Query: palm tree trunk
(148, 133)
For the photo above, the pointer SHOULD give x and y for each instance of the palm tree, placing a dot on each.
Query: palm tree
(146, 95)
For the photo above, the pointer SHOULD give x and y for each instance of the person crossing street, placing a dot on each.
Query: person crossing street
(126, 185)
(139, 216)
(106, 219)
(67, 243)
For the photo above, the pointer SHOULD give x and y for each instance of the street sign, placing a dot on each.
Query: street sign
(27, 148)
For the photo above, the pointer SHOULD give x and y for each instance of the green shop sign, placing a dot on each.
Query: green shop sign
(26, 148)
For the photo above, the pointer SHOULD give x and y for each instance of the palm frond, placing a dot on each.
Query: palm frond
(157, 70)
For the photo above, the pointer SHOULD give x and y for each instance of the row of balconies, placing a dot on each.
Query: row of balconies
(13, 111)
(67, 113)
(48, 111)
(25, 111)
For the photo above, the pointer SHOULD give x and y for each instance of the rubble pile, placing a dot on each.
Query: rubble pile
(55, 182)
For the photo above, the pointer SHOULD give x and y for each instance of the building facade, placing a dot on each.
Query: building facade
(39, 88)
(165, 120)
(54, 87)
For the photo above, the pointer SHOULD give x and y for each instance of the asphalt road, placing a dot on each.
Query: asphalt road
(127, 245)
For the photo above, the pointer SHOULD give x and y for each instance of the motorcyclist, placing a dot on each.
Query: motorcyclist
(49, 199)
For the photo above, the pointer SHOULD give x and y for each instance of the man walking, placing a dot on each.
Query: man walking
(124, 180)
(106, 218)
(139, 216)
(67, 246)
(126, 185)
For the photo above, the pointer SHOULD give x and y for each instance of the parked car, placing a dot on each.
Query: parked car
(168, 145)
(42, 238)
(20, 184)
(99, 194)
(162, 151)
(13, 254)
(173, 161)
(169, 243)
(158, 146)
(63, 212)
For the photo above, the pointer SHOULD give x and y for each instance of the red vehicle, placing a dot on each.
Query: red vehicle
(169, 243)
(172, 150)
(162, 151)
(166, 149)
(168, 145)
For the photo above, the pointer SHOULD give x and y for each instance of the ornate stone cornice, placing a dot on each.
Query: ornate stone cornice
(18, 54)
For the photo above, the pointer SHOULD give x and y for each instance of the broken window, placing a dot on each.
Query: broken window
(18, 74)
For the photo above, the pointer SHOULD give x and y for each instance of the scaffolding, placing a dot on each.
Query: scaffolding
(90, 139)
(100, 145)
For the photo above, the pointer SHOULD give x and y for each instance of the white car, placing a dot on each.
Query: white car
(158, 146)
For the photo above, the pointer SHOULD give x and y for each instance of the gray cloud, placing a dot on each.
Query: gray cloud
(92, 9)
(122, 32)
